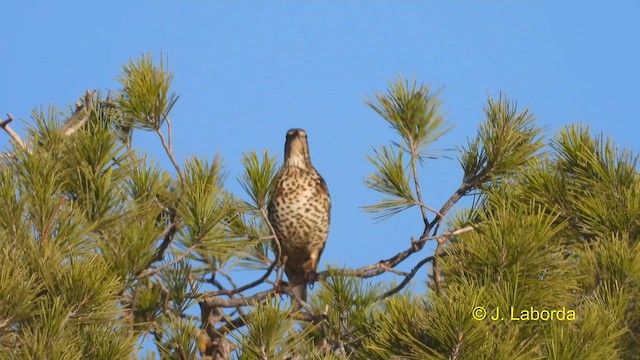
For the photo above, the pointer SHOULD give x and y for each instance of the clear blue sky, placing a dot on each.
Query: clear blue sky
(248, 71)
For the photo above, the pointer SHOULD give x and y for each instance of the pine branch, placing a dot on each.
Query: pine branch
(435, 224)
(383, 266)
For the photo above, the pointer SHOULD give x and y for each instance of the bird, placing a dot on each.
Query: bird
(299, 211)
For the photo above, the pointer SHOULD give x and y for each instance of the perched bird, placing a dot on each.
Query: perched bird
(299, 212)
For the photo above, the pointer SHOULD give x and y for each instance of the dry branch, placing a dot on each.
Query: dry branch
(80, 116)
(5, 126)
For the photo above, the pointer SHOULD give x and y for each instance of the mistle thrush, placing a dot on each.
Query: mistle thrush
(299, 212)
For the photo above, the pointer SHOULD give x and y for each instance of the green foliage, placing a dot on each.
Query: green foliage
(505, 141)
(390, 179)
(347, 305)
(398, 330)
(553, 230)
(602, 183)
(180, 289)
(146, 99)
(269, 333)
(258, 177)
(595, 335)
(179, 342)
(202, 207)
(100, 246)
(413, 111)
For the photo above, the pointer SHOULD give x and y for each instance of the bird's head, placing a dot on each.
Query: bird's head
(296, 149)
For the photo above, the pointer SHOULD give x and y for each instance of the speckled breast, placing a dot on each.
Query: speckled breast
(299, 210)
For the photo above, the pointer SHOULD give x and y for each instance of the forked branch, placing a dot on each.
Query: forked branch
(390, 263)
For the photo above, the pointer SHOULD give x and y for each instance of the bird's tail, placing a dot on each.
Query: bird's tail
(299, 292)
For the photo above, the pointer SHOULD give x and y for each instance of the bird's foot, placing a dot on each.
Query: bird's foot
(311, 278)
(280, 286)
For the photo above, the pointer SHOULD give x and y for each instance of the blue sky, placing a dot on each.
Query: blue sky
(248, 71)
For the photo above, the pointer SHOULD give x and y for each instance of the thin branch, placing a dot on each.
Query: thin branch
(131, 313)
(169, 133)
(150, 272)
(429, 208)
(464, 189)
(437, 276)
(164, 292)
(5, 126)
(168, 237)
(407, 278)
(392, 270)
(416, 183)
(230, 326)
(218, 302)
(382, 266)
(457, 195)
(169, 152)
(227, 277)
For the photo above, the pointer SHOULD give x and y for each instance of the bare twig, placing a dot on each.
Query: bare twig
(16, 138)
(392, 270)
(429, 208)
(169, 133)
(217, 284)
(169, 152)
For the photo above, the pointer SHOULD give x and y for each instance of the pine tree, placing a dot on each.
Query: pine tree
(103, 250)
